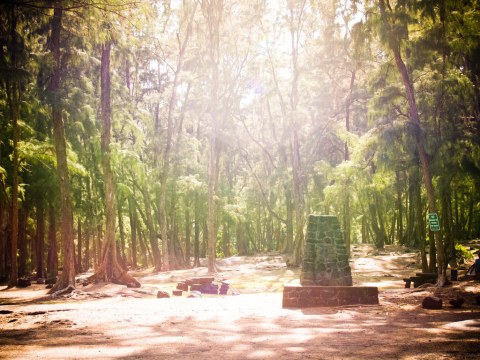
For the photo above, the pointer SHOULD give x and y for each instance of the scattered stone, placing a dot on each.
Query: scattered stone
(432, 303)
(162, 294)
(457, 303)
(40, 281)
(209, 289)
(182, 286)
(177, 292)
(23, 282)
(200, 280)
(195, 294)
(65, 291)
(196, 287)
(224, 288)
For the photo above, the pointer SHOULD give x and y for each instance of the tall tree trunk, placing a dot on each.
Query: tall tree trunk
(470, 215)
(4, 238)
(196, 242)
(242, 246)
(432, 263)
(226, 240)
(40, 240)
(188, 233)
(447, 226)
(144, 250)
(380, 236)
(123, 258)
(418, 217)
(346, 205)
(67, 277)
(86, 262)
(79, 245)
(109, 269)
(288, 244)
(213, 11)
(133, 231)
(14, 104)
(399, 208)
(152, 233)
(297, 167)
(166, 250)
(413, 114)
(52, 267)
(90, 233)
(22, 242)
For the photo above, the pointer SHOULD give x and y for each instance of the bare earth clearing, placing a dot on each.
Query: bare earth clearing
(113, 322)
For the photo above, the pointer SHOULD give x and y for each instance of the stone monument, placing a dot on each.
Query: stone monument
(325, 258)
(326, 278)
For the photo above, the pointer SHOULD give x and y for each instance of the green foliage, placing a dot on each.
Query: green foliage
(341, 65)
(462, 254)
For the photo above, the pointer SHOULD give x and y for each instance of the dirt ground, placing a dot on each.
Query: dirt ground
(113, 322)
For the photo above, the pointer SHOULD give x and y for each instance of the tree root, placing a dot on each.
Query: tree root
(118, 276)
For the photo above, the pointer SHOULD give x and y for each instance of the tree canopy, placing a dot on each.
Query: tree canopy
(226, 123)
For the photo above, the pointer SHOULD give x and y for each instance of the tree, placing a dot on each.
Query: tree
(110, 269)
(394, 43)
(13, 97)
(68, 273)
(213, 10)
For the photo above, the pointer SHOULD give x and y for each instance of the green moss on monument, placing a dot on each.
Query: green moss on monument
(325, 260)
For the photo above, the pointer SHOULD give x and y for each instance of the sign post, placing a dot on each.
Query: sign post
(433, 221)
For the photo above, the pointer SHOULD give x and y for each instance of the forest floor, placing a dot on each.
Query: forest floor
(113, 322)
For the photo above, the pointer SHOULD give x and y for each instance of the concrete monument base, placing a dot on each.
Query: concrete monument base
(301, 296)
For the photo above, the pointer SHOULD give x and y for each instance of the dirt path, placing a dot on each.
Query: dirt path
(112, 322)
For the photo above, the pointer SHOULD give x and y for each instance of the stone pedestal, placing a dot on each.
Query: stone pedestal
(298, 296)
(325, 258)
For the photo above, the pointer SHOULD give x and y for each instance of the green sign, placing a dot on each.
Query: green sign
(434, 222)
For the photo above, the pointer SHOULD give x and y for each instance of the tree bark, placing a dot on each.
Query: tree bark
(123, 258)
(196, 242)
(188, 232)
(288, 244)
(68, 269)
(52, 267)
(22, 242)
(152, 233)
(399, 208)
(133, 231)
(109, 269)
(40, 240)
(14, 104)
(79, 245)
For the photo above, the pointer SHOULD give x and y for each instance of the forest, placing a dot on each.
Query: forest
(149, 133)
